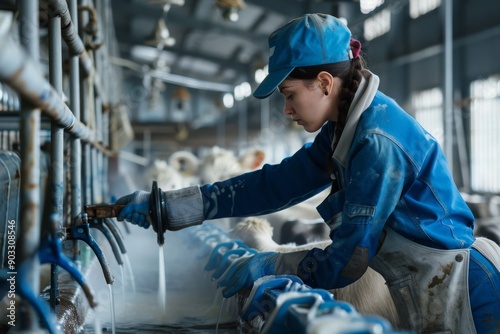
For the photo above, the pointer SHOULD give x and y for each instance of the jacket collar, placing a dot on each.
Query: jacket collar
(362, 100)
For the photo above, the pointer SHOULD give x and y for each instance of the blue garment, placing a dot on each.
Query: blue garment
(484, 293)
(394, 173)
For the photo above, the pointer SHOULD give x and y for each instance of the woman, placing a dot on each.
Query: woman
(393, 206)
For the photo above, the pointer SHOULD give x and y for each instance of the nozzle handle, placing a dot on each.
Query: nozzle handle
(103, 210)
(157, 212)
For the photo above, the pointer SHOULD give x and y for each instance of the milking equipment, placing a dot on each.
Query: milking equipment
(281, 303)
(157, 211)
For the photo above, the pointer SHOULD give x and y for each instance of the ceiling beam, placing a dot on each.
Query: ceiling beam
(290, 8)
(181, 20)
(223, 62)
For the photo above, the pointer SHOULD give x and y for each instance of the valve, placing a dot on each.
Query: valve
(157, 211)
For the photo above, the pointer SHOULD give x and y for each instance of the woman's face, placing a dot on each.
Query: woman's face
(306, 102)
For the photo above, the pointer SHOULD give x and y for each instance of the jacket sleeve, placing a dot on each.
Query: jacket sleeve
(376, 174)
(273, 187)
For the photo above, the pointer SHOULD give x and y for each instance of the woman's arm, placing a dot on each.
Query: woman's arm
(274, 187)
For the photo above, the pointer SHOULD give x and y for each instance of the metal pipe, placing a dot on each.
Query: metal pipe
(95, 177)
(84, 104)
(113, 242)
(73, 41)
(105, 160)
(242, 126)
(97, 157)
(29, 227)
(94, 29)
(221, 130)
(56, 145)
(70, 35)
(462, 149)
(110, 224)
(448, 81)
(134, 158)
(20, 72)
(76, 148)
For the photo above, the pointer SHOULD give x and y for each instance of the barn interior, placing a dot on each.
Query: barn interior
(100, 98)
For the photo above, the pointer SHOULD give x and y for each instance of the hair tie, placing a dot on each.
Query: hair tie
(355, 48)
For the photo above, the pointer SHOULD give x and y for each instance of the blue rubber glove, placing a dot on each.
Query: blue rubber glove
(245, 271)
(183, 208)
(136, 208)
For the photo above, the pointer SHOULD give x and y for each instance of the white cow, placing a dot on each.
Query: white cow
(187, 164)
(369, 295)
(168, 177)
(220, 164)
(179, 171)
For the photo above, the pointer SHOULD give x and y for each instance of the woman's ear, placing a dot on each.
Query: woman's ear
(325, 81)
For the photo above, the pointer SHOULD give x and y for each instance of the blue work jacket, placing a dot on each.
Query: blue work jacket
(394, 173)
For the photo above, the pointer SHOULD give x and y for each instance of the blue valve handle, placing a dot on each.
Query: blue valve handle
(51, 252)
(82, 232)
(40, 306)
(98, 224)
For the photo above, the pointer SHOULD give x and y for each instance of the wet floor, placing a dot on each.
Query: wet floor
(193, 302)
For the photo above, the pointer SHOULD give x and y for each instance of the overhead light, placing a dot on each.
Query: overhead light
(242, 91)
(366, 6)
(230, 9)
(261, 74)
(161, 36)
(166, 2)
(228, 100)
(231, 14)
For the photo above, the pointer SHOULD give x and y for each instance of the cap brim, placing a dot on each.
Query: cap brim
(271, 82)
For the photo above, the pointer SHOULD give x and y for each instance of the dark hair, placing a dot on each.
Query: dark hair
(350, 73)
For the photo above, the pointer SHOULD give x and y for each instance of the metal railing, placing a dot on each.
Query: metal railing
(27, 96)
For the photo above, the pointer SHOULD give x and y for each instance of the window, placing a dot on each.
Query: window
(367, 6)
(428, 106)
(421, 7)
(377, 25)
(485, 135)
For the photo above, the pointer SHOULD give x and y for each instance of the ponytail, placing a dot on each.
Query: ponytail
(350, 83)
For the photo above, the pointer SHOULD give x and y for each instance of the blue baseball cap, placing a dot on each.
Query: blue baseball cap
(312, 39)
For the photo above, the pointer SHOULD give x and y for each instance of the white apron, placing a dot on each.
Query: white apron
(429, 286)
